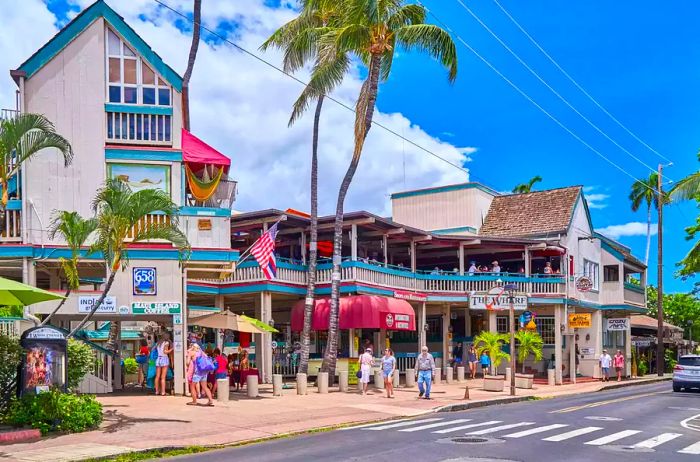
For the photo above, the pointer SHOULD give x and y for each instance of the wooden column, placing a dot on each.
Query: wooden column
(413, 256)
(385, 245)
(302, 241)
(461, 258)
(558, 311)
(353, 242)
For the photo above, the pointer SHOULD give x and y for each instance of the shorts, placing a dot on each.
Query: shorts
(221, 375)
(386, 374)
(618, 369)
(199, 378)
(606, 370)
(365, 371)
(163, 361)
(458, 360)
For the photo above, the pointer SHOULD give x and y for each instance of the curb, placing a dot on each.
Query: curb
(615, 386)
(19, 436)
(477, 404)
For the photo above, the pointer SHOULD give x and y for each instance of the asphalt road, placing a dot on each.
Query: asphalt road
(640, 424)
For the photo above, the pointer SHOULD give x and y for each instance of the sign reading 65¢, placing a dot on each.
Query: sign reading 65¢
(144, 280)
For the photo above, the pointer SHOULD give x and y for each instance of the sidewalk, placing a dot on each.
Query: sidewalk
(134, 423)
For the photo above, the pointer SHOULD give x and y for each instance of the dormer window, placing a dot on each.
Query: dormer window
(130, 80)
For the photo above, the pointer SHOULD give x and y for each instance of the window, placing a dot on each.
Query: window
(502, 325)
(591, 270)
(130, 80)
(546, 328)
(611, 273)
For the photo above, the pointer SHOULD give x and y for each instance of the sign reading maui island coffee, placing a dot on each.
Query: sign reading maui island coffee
(394, 321)
(579, 320)
(411, 296)
(617, 324)
(584, 284)
(485, 301)
(155, 308)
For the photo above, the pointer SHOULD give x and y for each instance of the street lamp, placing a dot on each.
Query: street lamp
(510, 289)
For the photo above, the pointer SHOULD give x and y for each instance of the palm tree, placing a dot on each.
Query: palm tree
(525, 188)
(372, 30)
(299, 40)
(21, 138)
(118, 211)
(75, 230)
(492, 343)
(529, 343)
(646, 191)
(194, 46)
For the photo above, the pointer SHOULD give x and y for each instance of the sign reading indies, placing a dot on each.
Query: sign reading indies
(617, 324)
(86, 302)
(579, 320)
(394, 321)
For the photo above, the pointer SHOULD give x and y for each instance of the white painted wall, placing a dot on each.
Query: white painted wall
(219, 237)
(582, 249)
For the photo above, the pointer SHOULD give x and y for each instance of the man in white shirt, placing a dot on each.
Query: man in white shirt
(472, 267)
(366, 361)
(605, 363)
(495, 268)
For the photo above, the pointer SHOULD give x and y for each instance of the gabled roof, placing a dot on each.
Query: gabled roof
(621, 252)
(80, 23)
(532, 214)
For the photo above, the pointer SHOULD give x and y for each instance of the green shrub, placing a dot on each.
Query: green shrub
(11, 354)
(56, 411)
(131, 366)
(81, 361)
(642, 367)
(669, 360)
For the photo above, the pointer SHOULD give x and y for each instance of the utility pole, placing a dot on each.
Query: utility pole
(660, 366)
(511, 288)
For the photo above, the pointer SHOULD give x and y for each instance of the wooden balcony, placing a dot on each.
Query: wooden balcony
(11, 226)
(634, 294)
(139, 125)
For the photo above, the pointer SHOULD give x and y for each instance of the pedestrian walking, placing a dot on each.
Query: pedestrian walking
(221, 369)
(366, 360)
(197, 374)
(605, 363)
(618, 364)
(162, 363)
(457, 355)
(472, 359)
(142, 361)
(485, 363)
(388, 368)
(425, 372)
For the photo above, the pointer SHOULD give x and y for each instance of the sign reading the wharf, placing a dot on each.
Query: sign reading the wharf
(144, 281)
(155, 308)
(87, 302)
(584, 284)
(394, 321)
(617, 324)
(579, 320)
(412, 296)
(485, 301)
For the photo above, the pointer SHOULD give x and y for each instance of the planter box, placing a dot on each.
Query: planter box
(524, 380)
(493, 383)
(131, 378)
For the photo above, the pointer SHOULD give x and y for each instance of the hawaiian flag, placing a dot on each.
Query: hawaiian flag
(264, 252)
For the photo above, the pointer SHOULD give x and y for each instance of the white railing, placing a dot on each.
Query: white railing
(10, 328)
(8, 114)
(152, 219)
(11, 230)
(124, 127)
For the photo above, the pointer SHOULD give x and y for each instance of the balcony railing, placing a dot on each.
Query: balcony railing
(634, 294)
(11, 226)
(148, 220)
(127, 127)
(7, 114)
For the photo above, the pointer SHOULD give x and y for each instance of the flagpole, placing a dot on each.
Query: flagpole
(247, 253)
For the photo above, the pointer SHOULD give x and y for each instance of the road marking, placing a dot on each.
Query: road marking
(692, 449)
(613, 437)
(464, 427)
(601, 403)
(572, 434)
(532, 431)
(657, 440)
(692, 426)
(402, 424)
(434, 425)
(501, 427)
(369, 425)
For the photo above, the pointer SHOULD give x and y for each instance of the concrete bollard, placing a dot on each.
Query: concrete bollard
(396, 379)
(550, 377)
(460, 374)
(251, 383)
(378, 380)
(449, 374)
(508, 372)
(222, 390)
(410, 379)
(343, 381)
(322, 382)
(301, 384)
(438, 376)
(276, 384)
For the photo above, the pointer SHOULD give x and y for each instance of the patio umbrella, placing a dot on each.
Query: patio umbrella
(226, 320)
(261, 325)
(15, 293)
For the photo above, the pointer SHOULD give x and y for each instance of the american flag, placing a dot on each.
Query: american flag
(264, 252)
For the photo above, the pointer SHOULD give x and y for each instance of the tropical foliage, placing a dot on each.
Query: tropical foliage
(191, 58)
(11, 354)
(646, 192)
(686, 189)
(529, 343)
(492, 343)
(81, 361)
(682, 310)
(54, 411)
(525, 188)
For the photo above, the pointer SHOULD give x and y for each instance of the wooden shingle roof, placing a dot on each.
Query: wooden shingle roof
(536, 213)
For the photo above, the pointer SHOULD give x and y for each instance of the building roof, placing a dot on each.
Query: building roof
(619, 250)
(536, 213)
(445, 188)
(647, 322)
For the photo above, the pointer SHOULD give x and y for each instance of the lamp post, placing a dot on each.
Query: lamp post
(510, 289)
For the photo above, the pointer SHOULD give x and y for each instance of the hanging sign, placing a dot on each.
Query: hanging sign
(584, 284)
(411, 296)
(155, 308)
(394, 321)
(617, 324)
(144, 281)
(485, 301)
(45, 333)
(579, 320)
(87, 302)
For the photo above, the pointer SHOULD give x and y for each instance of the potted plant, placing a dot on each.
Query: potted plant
(131, 369)
(491, 344)
(529, 343)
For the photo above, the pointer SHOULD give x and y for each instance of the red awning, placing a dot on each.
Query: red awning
(359, 312)
(197, 153)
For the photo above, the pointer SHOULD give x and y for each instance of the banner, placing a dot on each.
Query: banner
(617, 324)
(579, 320)
(485, 301)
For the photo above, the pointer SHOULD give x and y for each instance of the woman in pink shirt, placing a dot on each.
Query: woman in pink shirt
(221, 368)
(618, 364)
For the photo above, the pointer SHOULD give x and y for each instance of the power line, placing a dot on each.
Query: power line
(544, 82)
(571, 79)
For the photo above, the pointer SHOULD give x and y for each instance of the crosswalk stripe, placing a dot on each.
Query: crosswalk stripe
(500, 427)
(572, 434)
(402, 424)
(368, 425)
(613, 437)
(532, 431)
(657, 440)
(692, 449)
(464, 427)
(434, 425)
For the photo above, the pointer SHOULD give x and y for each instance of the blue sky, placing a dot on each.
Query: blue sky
(638, 59)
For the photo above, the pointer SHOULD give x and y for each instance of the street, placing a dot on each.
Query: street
(640, 423)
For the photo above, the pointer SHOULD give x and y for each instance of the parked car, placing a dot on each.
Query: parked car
(686, 374)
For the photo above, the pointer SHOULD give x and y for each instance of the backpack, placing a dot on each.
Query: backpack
(205, 364)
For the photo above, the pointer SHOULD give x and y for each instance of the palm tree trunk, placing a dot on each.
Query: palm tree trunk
(313, 245)
(646, 254)
(46, 319)
(363, 122)
(92, 312)
(196, 28)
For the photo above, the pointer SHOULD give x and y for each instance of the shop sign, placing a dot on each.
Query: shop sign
(155, 308)
(204, 224)
(177, 319)
(144, 281)
(587, 351)
(411, 296)
(87, 302)
(485, 301)
(617, 324)
(45, 333)
(642, 342)
(579, 320)
(584, 284)
(394, 321)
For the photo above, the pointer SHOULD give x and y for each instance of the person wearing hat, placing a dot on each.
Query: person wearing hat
(495, 268)
(605, 363)
(472, 267)
(366, 362)
(425, 372)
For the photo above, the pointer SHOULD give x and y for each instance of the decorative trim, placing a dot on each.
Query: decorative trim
(202, 308)
(441, 189)
(204, 212)
(143, 155)
(14, 204)
(156, 253)
(454, 230)
(138, 109)
(612, 251)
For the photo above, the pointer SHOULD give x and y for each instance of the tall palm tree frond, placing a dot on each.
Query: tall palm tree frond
(324, 78)
(432, 40)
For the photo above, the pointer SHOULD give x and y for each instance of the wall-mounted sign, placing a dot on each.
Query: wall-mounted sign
(412, 296)
(617, 324)
(584, 284)
(204, 224)
(485, 301)
(124, 309)
(642, 342)
(587, 351)
(145, 281)
(579, 320)
(155, 308)
(527, 320)
(87, 302)
(394, 321)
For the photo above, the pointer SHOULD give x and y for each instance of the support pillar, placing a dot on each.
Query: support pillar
(597, 333)
(413, 256)
(492, 322)
(219, 303)
(353, 243)
(572, 357)
(263, 342)
(528, 270)
(302, 242)
(382, 343)
(446, 341)
(421, 326)
(467, 327)
(558, 311)
(461, 258)
(351, 337)
(385, 246)
(117, 357)
(628, 350)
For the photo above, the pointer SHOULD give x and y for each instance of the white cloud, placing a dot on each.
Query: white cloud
(597, 201)
(633, 228)
(241, 107)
